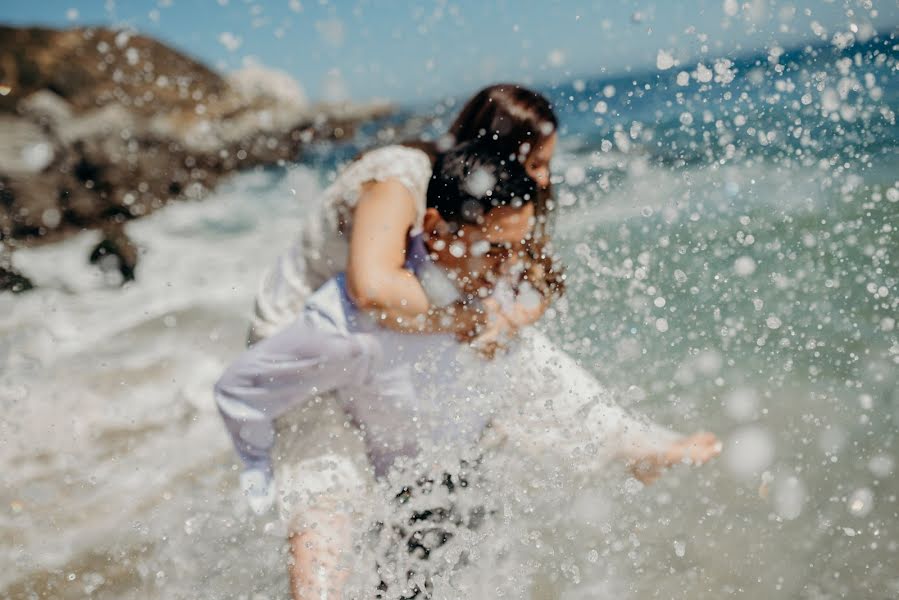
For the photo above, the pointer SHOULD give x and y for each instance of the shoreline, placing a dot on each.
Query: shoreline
(106, 126)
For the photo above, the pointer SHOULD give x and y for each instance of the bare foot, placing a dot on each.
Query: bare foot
(696, 449)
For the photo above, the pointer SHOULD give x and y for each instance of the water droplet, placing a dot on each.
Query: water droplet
(861, 502)
(457, 249)
(741, 404)
(749, 450)
(881, 465)
(744, 266)
(575, 175)
(789, 498)
(665, 60)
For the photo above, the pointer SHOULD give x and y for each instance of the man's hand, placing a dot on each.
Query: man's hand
(494, 336)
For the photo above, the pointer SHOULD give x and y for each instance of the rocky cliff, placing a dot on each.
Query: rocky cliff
(100, 126)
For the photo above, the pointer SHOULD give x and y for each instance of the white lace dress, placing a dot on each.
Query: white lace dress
(551, 408)
(322, 248)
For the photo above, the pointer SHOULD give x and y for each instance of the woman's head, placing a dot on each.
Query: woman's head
(515, 121)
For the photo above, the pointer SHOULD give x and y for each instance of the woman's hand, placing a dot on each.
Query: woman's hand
(376, 279)
(521, 315)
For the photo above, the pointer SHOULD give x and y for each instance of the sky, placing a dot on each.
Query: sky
(412, 51)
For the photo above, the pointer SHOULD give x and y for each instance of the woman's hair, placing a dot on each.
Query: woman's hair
(507, 116)
(503, 123)
(472, 178)
(514, 120)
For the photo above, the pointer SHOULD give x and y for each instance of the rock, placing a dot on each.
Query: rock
(11, 281)
(47, 107)
(256, 82)
(116, 251)
(101, 126)
(26, 147)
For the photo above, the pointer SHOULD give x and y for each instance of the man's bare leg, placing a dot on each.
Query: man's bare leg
(319, 570)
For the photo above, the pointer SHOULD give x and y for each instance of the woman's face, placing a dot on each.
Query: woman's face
(538, 160)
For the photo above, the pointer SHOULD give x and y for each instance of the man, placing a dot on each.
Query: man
(379, 374)
(408, 393)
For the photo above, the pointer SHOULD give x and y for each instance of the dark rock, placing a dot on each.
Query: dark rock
(102, 126)
(11, 281)
(118, 251)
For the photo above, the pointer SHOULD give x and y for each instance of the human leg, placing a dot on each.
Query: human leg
(322, 486)
(320, 555)
(696, 449)
(568, 411)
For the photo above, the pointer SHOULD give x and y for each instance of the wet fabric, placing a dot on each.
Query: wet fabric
(436, 519)
(407, 393)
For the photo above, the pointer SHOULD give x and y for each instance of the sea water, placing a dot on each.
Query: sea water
(729, 231)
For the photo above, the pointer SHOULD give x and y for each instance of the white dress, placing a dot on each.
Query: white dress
(551, 409)
(319, 458)
(322, 248)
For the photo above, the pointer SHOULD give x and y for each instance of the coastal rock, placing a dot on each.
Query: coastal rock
(101, 126)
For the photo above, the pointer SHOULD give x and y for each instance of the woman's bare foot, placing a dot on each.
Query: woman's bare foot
(695, 449)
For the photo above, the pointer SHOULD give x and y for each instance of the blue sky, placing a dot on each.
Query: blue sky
(412, 51)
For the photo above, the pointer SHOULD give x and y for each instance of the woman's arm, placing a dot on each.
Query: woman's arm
(376, 278)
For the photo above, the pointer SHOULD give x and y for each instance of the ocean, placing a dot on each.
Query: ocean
(730, 236)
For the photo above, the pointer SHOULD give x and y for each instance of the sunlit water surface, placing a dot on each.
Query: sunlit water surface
(732, 256)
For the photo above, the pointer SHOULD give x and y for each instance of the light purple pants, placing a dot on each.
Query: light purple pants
(312, 356)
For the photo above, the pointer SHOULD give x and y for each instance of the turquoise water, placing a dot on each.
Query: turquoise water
(732, 266)
(730, 237)
(745, 282)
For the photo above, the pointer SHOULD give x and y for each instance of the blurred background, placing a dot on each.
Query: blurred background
(727, 195)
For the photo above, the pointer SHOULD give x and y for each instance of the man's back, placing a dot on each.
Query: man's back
(424, 391)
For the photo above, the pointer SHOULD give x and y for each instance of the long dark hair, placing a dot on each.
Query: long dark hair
(471, 179)
(513, 120)
(508, 116)
(510, 120)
